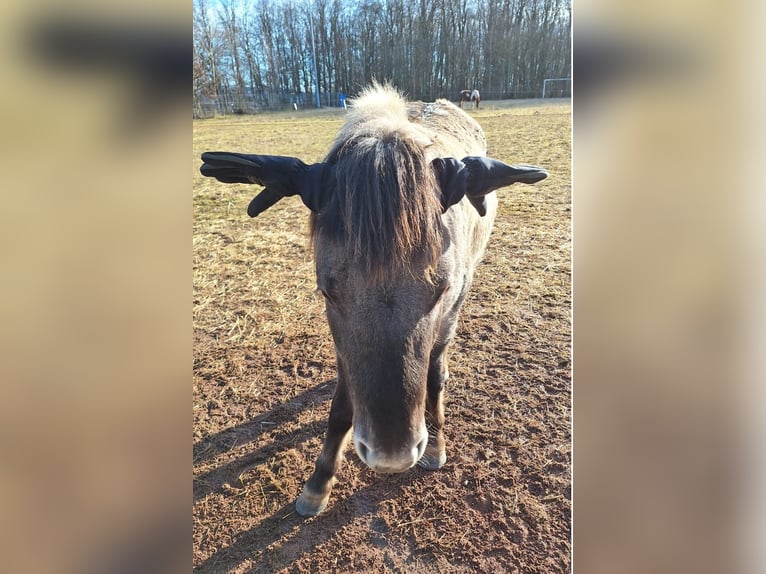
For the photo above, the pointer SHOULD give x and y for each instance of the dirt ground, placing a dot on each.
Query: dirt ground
(264, 375)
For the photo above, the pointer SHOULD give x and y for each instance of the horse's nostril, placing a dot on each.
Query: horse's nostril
(362, 450)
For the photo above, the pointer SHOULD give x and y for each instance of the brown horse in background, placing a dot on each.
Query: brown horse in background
(470, 96)
(465, 96)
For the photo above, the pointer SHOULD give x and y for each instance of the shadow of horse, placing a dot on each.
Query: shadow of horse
(227, 439)
(246, 433)
(284, 537)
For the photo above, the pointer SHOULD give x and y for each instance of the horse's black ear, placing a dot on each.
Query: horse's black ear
(451, 175)
(476, 176)
(281, 176)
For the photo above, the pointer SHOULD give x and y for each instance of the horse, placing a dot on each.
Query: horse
(475, 98)
(465, 96)
(401, 211)
(470, 96)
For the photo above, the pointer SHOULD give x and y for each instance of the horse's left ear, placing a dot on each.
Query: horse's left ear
(475, 177)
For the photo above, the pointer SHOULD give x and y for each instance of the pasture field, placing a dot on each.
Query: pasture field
(264, 371)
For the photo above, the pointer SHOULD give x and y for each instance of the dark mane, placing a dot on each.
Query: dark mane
(386, 208)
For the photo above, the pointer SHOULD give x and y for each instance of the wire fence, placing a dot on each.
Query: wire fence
(227, 104)
(233, 104)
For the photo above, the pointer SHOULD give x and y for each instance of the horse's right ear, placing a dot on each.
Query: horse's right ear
(281, 176)
(476, 176)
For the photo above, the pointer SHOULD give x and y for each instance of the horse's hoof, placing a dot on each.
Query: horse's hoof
(309, 504)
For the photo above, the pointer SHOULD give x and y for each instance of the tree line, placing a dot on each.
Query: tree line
(254, 54)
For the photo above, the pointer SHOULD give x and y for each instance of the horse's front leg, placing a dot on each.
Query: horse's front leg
(316, 493)
(435, 455)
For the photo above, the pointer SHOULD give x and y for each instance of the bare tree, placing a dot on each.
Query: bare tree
(263, 50)
(232, 37)
(207, 55)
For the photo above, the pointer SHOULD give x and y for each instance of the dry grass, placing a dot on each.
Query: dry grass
(264, 370)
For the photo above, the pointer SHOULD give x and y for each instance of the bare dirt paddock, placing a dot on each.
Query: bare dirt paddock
(264, 374)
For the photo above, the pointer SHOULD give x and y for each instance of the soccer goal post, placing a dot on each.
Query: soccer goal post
(564, 87)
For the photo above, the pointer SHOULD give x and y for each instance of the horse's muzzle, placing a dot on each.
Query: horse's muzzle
(387, 461)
